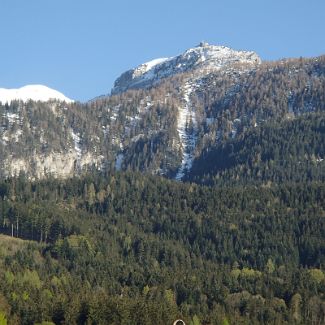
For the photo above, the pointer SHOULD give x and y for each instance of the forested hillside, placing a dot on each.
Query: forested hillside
(94, 228)
(292, 150)
(160, 129)
(124, 248)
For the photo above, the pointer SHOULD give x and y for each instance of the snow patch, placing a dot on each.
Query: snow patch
(203, 59)
(145, 67)
(76, 140)
(32, 92)
(12, 117)
(187, 131)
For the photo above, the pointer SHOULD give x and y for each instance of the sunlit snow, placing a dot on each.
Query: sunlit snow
(205, 57)
(187, 129)
(76, 140)
(32, 92)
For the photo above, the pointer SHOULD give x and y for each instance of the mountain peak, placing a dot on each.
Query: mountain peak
(203, 44)
(32, 92)
(204, 57)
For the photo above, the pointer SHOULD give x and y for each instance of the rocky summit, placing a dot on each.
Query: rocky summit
(203, 58)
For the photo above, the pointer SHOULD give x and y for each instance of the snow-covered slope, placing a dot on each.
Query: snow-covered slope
(32, 92)
(203, 59)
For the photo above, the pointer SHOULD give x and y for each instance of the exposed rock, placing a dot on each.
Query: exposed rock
(204, 58)
(58, 165)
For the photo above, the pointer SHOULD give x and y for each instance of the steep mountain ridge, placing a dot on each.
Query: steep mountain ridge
(203, 59)
(197, 62)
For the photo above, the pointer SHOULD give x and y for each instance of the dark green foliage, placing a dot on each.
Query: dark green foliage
(130, 249)
(290, 151)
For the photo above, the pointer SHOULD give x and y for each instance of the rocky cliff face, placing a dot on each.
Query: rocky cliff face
(55, 164)
(203, 59)
(40, 139)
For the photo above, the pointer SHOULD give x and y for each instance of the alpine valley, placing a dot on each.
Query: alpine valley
(194, 190)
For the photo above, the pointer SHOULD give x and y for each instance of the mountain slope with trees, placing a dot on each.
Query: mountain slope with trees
(125, 248)
(288, 151)
(153, 129)
(94, 230)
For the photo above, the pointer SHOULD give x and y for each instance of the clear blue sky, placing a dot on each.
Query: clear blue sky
(79, 47)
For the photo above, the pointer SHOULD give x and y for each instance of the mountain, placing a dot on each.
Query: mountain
(204, 59)
(92, 231)
(32, 92)
(166, 121)
(173, 122)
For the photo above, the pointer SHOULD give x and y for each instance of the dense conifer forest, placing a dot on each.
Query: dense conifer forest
(276, 152)
(126, 248)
